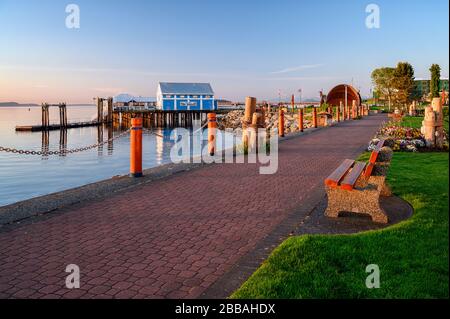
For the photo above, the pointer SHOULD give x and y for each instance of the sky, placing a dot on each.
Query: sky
(243, 48)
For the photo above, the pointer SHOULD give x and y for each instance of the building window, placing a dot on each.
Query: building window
(168, 96)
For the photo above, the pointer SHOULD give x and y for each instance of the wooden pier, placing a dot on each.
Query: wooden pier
(161, 119)
(119, 117)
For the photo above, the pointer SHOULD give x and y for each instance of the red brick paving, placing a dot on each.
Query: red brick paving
(174, 237)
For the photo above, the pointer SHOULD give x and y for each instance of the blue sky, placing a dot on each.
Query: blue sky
(246, 47)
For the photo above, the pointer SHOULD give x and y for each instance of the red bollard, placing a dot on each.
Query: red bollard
(315, 117)
(301, 121)
(136, 148)
(212, 127)
(281, 122)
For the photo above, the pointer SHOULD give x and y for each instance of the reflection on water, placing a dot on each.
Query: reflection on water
(23, 177)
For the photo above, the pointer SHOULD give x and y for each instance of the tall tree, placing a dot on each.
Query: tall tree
(435, 80)
(403, 83)
(383, 80)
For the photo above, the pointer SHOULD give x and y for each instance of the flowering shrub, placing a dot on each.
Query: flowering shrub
(405, 139)
(399, 132)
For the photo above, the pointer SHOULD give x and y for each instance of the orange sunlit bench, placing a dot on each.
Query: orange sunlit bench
(356, 187)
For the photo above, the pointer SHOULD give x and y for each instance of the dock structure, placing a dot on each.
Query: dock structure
(159, 118)
(63, 122)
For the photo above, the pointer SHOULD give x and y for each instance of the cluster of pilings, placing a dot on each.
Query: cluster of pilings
(45, 115)
(45, 107)
(100, 102)
(63, 117)
(253, 120)
(159, 119)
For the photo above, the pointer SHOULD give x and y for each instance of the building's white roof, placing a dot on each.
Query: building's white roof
(186, 88)
(127, 98)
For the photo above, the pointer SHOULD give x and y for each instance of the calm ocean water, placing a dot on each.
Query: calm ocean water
(23, 177)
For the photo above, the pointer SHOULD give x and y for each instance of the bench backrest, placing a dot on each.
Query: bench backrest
(373, 158)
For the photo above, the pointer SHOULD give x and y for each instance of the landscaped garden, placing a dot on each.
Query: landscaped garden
(412, 255)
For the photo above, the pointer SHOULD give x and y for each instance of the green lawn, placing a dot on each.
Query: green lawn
(416, 122)
(412, 121)
(412, 256)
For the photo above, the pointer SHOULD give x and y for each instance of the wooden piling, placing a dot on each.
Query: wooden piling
(315, 124)
(99, 102)
(109, 118)
(250, 108)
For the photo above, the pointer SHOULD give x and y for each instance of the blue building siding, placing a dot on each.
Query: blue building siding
(189, 105)
(168, 105)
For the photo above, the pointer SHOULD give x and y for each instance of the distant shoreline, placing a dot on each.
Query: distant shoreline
(37, 105)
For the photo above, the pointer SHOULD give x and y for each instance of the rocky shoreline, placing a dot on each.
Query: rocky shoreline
(233, 121)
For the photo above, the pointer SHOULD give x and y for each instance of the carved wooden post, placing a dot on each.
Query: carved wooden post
(437, 108)
(429, 126)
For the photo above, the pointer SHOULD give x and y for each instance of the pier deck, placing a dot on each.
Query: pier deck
(53, 127)
(178, 236)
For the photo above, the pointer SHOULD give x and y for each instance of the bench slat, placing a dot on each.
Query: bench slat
(335, 177)
(350, 180)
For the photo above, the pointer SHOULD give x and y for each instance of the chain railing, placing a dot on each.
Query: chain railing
(63, 151)
(85, 148)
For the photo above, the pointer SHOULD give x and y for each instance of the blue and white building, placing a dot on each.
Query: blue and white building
(185, 97)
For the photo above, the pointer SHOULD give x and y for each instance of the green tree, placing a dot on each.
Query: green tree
(403, 83)
(435, 80)
(383, 80)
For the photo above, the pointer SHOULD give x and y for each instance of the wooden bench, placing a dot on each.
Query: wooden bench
(353, 187)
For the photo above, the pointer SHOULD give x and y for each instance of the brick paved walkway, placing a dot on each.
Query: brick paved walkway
(175, 237)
